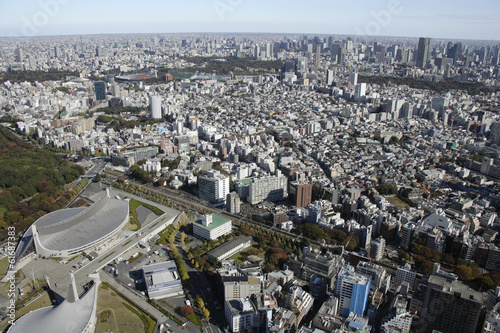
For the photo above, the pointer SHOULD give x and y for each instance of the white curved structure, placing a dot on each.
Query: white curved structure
(73, 315)
(66, 232)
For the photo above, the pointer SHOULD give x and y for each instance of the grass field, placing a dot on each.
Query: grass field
(136, 203)
(133, 224)
(118, 315)
(239, 256)
(400, 204)
(4, 265)
(194, 319)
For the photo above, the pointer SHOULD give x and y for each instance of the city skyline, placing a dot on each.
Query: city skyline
(272, 175)
(446, 20)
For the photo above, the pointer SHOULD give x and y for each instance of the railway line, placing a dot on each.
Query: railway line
(190, 201)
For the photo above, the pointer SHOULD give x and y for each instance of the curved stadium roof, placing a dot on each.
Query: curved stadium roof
(67, 317)
(74, 228)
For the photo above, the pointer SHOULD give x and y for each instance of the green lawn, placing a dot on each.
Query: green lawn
(136, 203)
(239, 256)
(4, 265)
(133, 223)
(119, 315)
(194, 319)
(400, 204)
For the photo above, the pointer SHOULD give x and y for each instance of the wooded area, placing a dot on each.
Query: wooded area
(31, 181)
(472, 88)
(32, 76)
(233, 64)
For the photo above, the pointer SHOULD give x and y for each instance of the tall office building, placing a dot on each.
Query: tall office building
(353, 78)
(318, 55)
(450, 306)
(377, 248)
(290, 66)
(359, 91)
(115, 90)
(269, 50)
(233, 203)
(213, 187)
(405, 274)
(495, 132)
(423, 53)
(100, 90)
(336, 49)
(155, 106)
(300, 194)
(329, 77)
(256, 51)
(32, 63)
(454, 52)
(353, 290)
(330, 41)
(19, 54)
(57, 52)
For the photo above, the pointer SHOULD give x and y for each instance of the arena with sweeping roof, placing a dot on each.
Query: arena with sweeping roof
(66, 232)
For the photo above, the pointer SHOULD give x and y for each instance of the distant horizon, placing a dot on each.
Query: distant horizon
(457, 20)
(254, 33)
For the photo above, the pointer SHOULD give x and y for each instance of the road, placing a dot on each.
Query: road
(97, 167)
(216, 316)
(199, 285)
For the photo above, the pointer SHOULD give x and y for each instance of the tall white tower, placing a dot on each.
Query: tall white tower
(155, 106)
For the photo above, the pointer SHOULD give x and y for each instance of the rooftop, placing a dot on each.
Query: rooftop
(68, 317)
(162, 276)
(73, 228)
(227, 246)
(245, 181)
(217, 221)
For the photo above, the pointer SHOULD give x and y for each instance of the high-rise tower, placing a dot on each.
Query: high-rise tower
(423, 53)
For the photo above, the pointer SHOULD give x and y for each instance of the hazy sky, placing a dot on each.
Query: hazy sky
(457, 19)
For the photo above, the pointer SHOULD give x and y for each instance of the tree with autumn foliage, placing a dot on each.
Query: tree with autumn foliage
(277, 256)
(186, 310)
